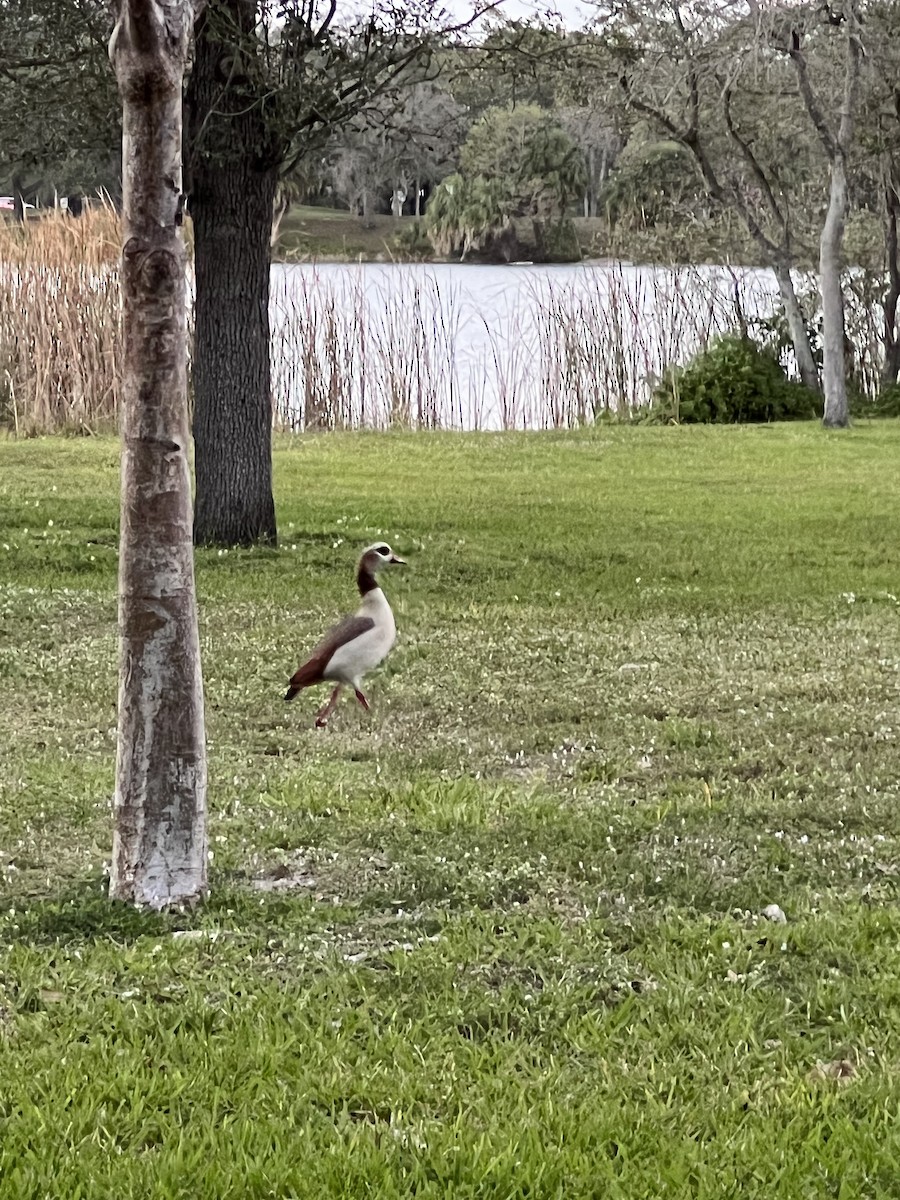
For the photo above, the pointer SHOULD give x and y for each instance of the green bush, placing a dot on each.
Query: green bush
(885, 404)
(556, 241)
(733, 381)
(653, 183)
(411, 242)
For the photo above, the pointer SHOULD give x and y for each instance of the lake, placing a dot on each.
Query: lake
(491, 347)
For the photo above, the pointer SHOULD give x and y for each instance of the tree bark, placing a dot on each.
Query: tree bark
(159, 842)
(18, 200)
(232, 194)
(891, 210)
(837, 145)
(834, 367)
(806, 363)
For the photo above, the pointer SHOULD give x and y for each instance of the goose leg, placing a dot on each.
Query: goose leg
(361, 698)
(327, 709)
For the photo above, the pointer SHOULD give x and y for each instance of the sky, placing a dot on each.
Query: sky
(572, 12)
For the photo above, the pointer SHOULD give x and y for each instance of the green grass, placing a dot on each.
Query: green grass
(502, 937)
(310, 232)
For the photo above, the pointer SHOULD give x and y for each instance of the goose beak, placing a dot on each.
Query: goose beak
(396, 561)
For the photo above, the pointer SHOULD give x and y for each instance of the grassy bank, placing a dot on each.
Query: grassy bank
(502, 936)
(310, 233)
(332, 234)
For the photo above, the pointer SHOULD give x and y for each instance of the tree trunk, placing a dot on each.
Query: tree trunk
(159, 844)
(281, 209)
(18, 200)
(806, 363)
(837, 146)
(604, 173)
(589, 188)
(834, 367)
(595, 179)
(233, 182)
(891, 210)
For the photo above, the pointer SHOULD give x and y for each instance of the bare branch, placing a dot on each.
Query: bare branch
(325, 24)
(8, 65)
(753, 163)
(851, 80)
(813, 107)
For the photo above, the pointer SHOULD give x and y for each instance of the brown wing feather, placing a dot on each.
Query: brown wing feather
(311, 671)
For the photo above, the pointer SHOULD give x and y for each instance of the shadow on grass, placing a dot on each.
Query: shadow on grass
(85, 913)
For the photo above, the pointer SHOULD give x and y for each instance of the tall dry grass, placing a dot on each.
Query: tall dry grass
(606, 336)
(60, 328)
(343, 359)
(378, 347)
(409, 346)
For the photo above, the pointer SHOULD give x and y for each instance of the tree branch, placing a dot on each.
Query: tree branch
(851, 79)
(8, 65)
(730, 197)
(813, 107)
(755, 167)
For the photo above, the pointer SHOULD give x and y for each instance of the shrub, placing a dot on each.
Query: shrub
(652, 182)
(885, 404)
(411, 242)
(733, 381)
(556, 241)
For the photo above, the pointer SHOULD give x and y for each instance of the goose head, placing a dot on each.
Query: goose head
(379, 555)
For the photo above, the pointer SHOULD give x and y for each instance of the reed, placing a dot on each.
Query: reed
(864, 292)
(60, 328)
(347, 357)
(381, 347)
(352, 348)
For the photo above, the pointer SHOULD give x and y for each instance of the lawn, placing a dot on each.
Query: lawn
(504, 936)
(309, 232)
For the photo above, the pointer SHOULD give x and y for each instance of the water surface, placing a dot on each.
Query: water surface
(469, 346)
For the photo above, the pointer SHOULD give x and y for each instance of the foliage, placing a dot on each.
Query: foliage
(60, 121)
(535, 871)
(733, 381)
(528, 155)
(466, 214)
(395, 147)
(556, 241)
(411, 242)
(514, 162)
(516, 63)
(885, 404)
(653, 182)
(770, 330)
(552, 169)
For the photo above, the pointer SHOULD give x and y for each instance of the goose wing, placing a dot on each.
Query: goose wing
(312, 670)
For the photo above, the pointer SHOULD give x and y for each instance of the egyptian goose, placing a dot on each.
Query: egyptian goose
(356, 644)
